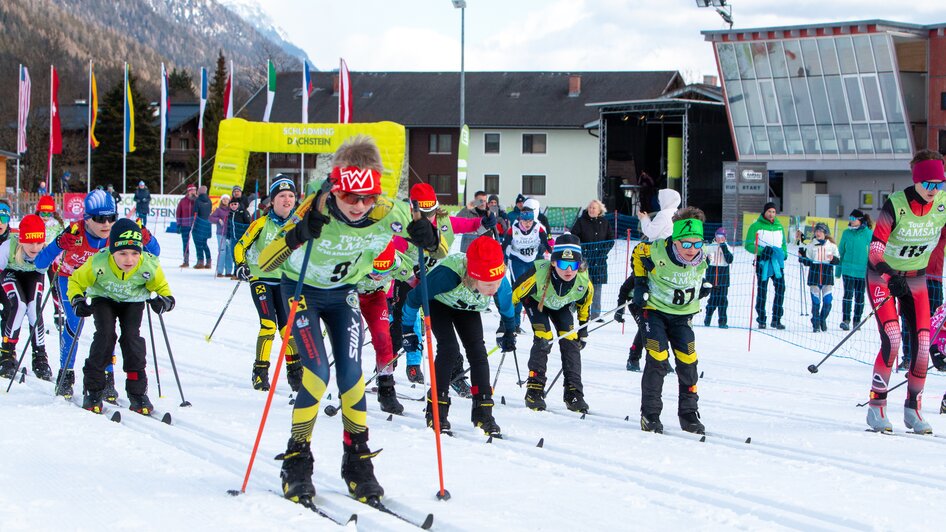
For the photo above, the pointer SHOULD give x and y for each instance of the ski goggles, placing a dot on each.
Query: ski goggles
(45, 214)
(688, 245)
(933, 185)
(104, 218)
(4, 217)
(354, 199)
(527, 216)
(568, 264)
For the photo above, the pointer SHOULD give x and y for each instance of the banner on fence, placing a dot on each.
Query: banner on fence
(73, 206)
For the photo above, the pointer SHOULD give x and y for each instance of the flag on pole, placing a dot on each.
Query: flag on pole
(94, 109)
(23, 110)
(165, 105)
(306, 90)
(228, 95)
(129, 116)
(270, 89)
(344, 94)
(55, 126)
(203, 105)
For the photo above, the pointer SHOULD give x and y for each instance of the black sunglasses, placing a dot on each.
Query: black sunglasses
(104, 218)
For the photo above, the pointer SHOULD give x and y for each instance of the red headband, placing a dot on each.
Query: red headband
(928, 170)
(364, 181)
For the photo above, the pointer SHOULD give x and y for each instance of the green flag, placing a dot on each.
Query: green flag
(462, 153)
(270, 90)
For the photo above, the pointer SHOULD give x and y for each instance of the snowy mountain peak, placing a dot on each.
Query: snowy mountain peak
(252, 13)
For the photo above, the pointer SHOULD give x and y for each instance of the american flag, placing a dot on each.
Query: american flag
(24, 109)
(344, 94)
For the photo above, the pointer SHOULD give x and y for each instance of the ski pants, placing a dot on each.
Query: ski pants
(134, 352)
(51, 274)
(662, 332)
(444, 320)
(853, 296)
(762, 289)
(821, 298)
(914, 308)
(374, 306)
(718, 301)
(267, 297)
(24, 292)
(398, 297)
(338, 309)
(542, 336)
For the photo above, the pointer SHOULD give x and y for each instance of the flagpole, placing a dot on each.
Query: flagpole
(88, 144)
(125, 135)
(163, 108)
(19, 100)
(49, 175)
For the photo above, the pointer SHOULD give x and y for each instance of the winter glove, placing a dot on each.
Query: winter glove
(488, 221)
(410, 342)
(802, 252)
(898, 286)
(422, 233)
(766, 253)
(640, 295)
(81, 307)
(243, 272)
(619, 314)
(309, 228)
(804, 261)
(161, 304)
(705, 290)
(507, 342)
(582, 335)
(937, 358)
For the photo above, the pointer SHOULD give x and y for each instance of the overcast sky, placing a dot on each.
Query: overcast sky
(556, 35)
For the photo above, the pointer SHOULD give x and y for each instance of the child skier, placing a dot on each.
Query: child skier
(525, 242)
(119, 280)
(908, 228)
(459, 289)
(55, 225)
(349, 222)
(23, 285)
(852, 250)
(671, 271)
(717, 274)
(76, 245)
(820, 256)
(548, 290)
(265, 287)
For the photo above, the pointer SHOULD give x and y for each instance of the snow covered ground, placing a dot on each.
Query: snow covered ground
(810, 464)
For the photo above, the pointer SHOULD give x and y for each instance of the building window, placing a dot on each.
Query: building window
(942, 141)
(441, 183)
(491, 143)
(184, 144)
(533, 143)
(440, 143)
(491, 183)
(533, 185)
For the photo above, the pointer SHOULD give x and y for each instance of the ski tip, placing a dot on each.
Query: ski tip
(166, 418)
(701, 374)
(116, 417)
(502, 399)
(627, 418)
(749, 440)
(702, 439)
(541, 443)
(428, 522)
(22, 375)
(390, 417)
(352, 520)
(234, 493)
(582, 416)
(489, 440)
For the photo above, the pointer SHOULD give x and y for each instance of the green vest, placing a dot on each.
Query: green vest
(343, 255)
(266, 235)
(130, 289)
(446, 229)
(673, 289)
(461, 297)
(403, 272)
(913, 238)
(543, 269)
(12, 264)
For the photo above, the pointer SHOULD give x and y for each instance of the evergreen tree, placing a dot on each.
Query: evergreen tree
(144, 163)
(181, 85)
(214, 111)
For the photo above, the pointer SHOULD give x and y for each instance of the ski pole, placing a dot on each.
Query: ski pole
(28, 343)
(225, 307)
(498, 369)
(154, 352)
(755, 281)
(865, 403)
(467, 370)
(813, 368)
(384, 367)
(71, 356)
(518, 375)
(293, 306)
(164, 330)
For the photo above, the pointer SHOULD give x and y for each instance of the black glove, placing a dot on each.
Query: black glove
(619, 314)
(898, 286)
(804, 261)
(161, 304)
(937, 358)
(640, 295)
(81, 307)
(802, 252)
(705, 290)
(766, 253)
(243, 272)
(488, 221)
(410, 342)
(582, 335)
(309, 228)
(422, 233)
(507, 342)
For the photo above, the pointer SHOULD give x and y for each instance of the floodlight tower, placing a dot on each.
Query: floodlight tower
(721, 6)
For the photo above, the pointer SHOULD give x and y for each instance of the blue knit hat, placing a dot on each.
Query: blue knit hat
(99, 203)
(281, 183)
(567, 247)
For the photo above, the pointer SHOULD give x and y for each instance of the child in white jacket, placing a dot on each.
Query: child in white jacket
(821, 256)
(661, 226)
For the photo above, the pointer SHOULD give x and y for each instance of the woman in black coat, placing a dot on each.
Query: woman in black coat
(597, 239)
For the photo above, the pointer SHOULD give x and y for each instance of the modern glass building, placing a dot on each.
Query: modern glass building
(836, 111)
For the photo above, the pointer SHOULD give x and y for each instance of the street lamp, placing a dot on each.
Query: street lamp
(722, 7)
(461, 5)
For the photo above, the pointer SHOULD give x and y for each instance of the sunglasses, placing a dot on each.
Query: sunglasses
(688, 245)
(4, 217)
(354, 199)
(934, 185)
(568, 264)
(45, 215)
(104, 218)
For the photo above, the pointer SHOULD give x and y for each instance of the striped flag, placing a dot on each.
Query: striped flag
(270, 89)
(344, 94)
(306, 90)
(94, 110)
(228, 95)
(23, 111)
(129, 116)
(165, 105)
(203, 105)
(55, 125)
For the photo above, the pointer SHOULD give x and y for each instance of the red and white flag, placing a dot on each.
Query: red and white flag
(307, 89)
(344, 94)
(23, 111)
(228, 95)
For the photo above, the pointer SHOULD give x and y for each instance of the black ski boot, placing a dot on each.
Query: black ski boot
(293, 375)
(482, 414)
(296, 474)
(358, 472)
(575, 400)
(461, 387)
(111, 394)
(261, 376)
(690, 422)
(41, 365)
(65, 383)
(760, 323)
(414, 374)
(443, 406)
(7, 361)
(92, 401)
(651, 423)
(535, 391)
(140, 403)
(387, 397)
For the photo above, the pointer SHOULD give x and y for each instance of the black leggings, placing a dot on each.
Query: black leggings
(105, 312)
(854, 290)
(469, 326)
